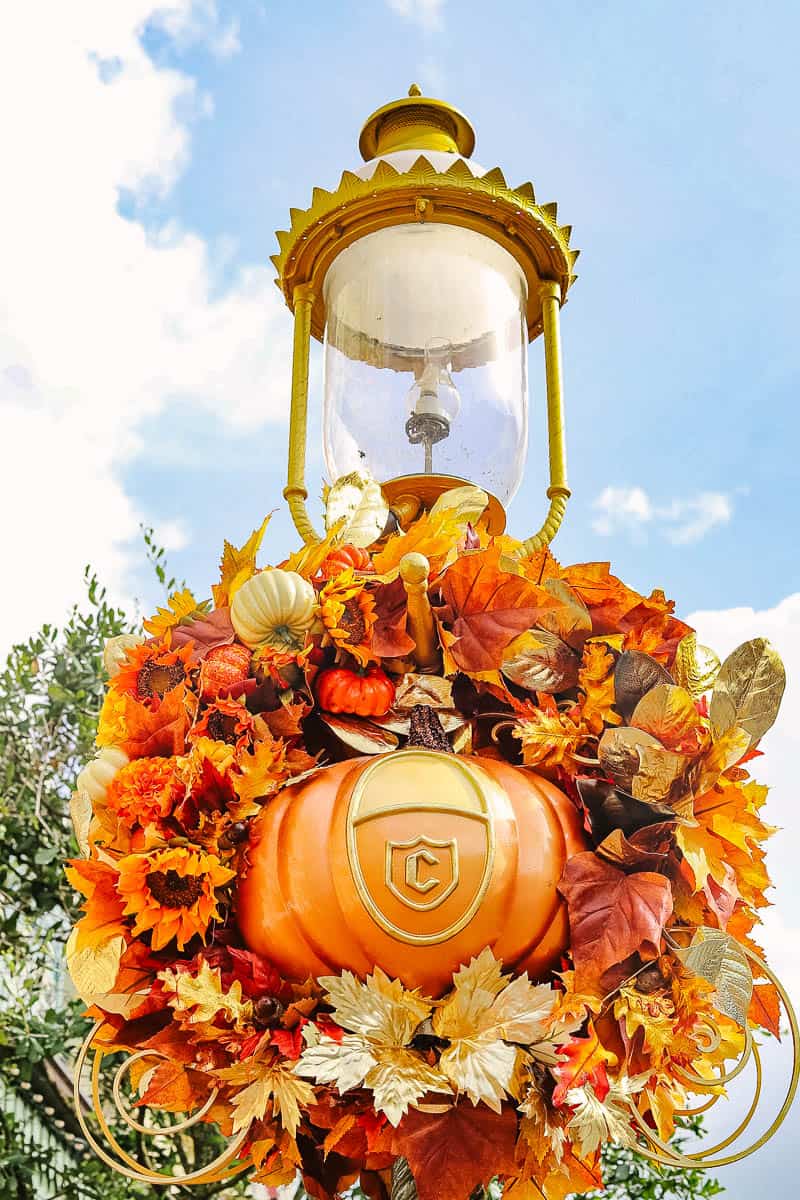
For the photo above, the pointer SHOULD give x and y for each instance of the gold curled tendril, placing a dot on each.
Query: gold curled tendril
(124, 1164)
(653, 1148)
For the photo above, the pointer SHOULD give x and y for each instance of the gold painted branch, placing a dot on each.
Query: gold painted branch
(558, 492)
(414, 570)
(295, 492)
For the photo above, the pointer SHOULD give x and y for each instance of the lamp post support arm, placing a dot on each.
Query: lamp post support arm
(558, 492)
(295, 492)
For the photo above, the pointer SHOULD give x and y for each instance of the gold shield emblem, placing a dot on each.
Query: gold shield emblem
(420, 844)
(422, 867)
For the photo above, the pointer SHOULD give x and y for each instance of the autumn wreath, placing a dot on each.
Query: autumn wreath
(222, 704)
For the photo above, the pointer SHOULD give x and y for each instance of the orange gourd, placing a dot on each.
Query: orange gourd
(340, 690)
(413, 861)
(343, 557)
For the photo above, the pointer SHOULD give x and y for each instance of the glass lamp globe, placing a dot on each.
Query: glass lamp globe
(425, 363)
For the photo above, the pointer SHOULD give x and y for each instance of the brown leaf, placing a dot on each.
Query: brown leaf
(618, 751)
(205, 633)
(541, 662)
(635, 674)
(611, 808)
(452, 1152)
(486, 608)
(612, 915)
(390, 638)
(645, 850)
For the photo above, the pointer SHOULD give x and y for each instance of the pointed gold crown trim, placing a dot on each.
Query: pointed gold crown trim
(456, 196)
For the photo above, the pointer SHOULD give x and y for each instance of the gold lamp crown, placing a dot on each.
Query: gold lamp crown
(387, 192)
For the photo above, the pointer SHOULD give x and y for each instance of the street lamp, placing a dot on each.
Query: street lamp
(426, 276)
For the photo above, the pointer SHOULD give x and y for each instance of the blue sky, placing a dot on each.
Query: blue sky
(156, 146)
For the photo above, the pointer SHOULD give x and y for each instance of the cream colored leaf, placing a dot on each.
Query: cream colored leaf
(541, 661)
(357, 505)
(748, 690)
(716, 956)
(467, 503)
(521, 1012)
(380, 1008)
(344, 1064)
(481, 1069)
(94, 969)
(80, 812)
(199, 998)
(475, 986)
(289, 1094)
(115, 651)
(595, 1122)
(399, 1079)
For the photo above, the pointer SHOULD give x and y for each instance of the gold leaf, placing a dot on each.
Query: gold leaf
(482, 1070)
(94, 969)
(696, 667)
(717, 957)
(200, 997)
(595, 1122)
(379, 1008)
(662, 778)
(237, 566)
(748, 690)
(668, 713)
(399, 1079)
(423, 689)
(278, 1083)
(572, 620)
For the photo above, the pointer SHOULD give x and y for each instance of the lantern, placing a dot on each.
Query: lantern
(425, 276)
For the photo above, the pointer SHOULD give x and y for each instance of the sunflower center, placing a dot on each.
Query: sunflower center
(222, 727)
(173, 890)
(155, 679)
(352, 620)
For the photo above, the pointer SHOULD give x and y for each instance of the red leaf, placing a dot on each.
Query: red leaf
(289, 1041)
(257, 975)
(450, 1153)
(326, 1025)
(584, 1062)
(612, 915)
(390, 638)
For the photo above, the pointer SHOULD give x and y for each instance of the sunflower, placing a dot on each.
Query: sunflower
(224, 720)
(144, 791)
(348, 614)
(151, 670)
(172, 892)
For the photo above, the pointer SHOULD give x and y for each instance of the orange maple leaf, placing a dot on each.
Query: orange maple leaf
(584, 1060)
(450, 1153)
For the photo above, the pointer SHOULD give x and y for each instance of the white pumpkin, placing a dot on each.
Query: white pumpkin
(274, 608)
(97, 775)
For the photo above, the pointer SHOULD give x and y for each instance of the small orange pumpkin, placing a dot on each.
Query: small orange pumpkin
(342, 691)
(413, 861)
(224, 671)
(343, 557)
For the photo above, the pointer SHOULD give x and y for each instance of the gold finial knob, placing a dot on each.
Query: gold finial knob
(416, 122)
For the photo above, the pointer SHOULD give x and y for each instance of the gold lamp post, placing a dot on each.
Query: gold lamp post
(426, 276)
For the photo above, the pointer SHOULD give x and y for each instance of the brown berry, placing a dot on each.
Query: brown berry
(267, 1011)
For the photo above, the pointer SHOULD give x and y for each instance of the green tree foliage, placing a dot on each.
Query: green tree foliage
(50, 694)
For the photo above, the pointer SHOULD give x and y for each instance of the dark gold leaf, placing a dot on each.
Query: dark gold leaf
(360, 735)
(541, 662)
(634, 675)
(618, 751)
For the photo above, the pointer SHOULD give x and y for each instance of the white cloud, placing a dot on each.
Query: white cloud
(104, 322)
(630, 510)
(428, 14)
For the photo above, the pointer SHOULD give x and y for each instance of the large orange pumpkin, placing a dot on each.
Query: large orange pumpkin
(412, 861)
